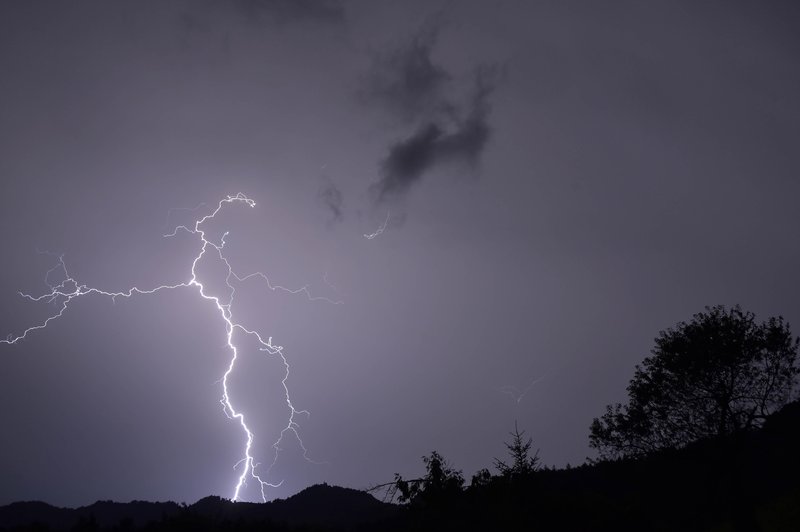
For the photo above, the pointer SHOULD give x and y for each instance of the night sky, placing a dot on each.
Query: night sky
(562, 180)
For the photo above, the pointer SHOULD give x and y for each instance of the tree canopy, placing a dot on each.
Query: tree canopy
(720, 373)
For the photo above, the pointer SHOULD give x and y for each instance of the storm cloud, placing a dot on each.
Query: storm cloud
(410, 86)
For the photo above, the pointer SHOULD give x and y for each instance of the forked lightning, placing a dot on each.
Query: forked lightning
(69, 289)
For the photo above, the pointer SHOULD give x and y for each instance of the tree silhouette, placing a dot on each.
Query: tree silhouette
(441, 483)
(718, 374)
(522, 464)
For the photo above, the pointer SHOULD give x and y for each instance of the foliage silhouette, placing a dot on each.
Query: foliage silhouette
(481, 478)
(440, 483)
(718, 374)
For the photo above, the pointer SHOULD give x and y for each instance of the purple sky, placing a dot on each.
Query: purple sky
(563, 180)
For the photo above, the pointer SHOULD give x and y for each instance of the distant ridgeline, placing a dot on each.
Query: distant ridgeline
(319, 506)
(747, 481)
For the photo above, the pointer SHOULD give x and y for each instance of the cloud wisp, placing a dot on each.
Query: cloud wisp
(332, 198)
(405, 82)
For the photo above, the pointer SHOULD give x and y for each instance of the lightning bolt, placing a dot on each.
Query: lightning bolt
(69, 289)
(380, 229)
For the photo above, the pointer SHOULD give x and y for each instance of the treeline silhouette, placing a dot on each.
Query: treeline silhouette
(707, 442)
(744, 481)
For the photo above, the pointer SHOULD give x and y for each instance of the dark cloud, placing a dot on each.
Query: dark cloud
(407, 160)
(406, 82)
(409, 85)
(332, 198)
(432, 144)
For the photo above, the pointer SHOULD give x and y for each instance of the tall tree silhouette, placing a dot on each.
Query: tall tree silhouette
(522, 464)
(719, 373)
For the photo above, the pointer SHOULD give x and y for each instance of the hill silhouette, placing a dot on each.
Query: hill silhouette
(746, 481)
(320, 506)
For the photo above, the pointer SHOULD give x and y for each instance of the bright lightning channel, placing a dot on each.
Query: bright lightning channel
(69, 289)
